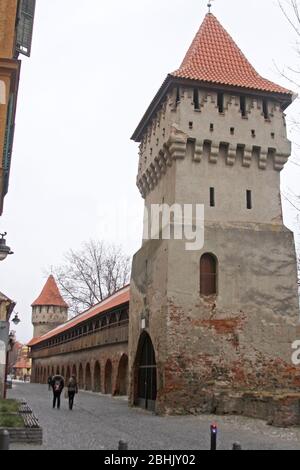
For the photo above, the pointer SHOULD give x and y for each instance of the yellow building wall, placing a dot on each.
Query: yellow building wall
(8, 66)
(8, 14)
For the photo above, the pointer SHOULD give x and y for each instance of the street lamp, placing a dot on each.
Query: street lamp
(4, 249)
(16, 319)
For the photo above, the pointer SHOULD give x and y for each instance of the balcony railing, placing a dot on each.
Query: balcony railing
(111, 334)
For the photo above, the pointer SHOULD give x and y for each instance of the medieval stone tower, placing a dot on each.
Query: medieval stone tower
(49, 310)
(208, 325)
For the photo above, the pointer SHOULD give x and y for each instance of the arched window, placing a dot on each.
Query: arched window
(208, 275)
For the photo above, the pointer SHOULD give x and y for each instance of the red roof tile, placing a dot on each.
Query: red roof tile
(119, 298)
(50, 295)
(23, 364)
(215, 58)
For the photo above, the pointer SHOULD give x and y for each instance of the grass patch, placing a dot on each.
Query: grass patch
(9, 417)
(11, 421)
(9, 406)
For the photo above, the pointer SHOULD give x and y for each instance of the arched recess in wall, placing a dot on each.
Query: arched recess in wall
(80, 377)
(88, 377)
(74, 372)
(108, 377)
(63, 371)
(97, 377)
(145, 374)
(68, 374)
(122, 378)
(208, 275)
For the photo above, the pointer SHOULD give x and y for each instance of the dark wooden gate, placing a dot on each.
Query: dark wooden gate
(147, 387)
(208, 275)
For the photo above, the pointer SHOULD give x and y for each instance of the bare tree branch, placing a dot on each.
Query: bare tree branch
(91, 274)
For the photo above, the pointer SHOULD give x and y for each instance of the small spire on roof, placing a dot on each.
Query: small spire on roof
(209, 5)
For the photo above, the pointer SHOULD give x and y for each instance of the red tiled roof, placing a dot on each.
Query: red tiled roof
(119, 298)
(50, 295)
(215, 58)
(22, 364)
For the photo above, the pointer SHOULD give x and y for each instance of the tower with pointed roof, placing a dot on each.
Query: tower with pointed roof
(221, 319)
(49, 310)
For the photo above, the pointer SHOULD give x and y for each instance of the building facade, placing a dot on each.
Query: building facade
(6, 308)
(16, 27)
(211, 329)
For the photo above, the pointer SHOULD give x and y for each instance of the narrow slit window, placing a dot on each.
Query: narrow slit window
(266, 109)
(196, 99)
(243, 106)
(221, 102)
(253, 133)
(232, 130)
(212, 197)
(191, 124)
(177, 95)
(249, 199)
(211, 128)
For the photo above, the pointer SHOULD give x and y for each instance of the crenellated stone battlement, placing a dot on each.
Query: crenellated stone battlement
(252, 139)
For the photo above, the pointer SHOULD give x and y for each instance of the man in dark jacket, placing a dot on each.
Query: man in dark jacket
(58, 384)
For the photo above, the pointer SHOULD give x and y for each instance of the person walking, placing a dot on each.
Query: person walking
(58, 385)
(72, 390)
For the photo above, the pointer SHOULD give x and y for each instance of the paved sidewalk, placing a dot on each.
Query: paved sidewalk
(99, 422)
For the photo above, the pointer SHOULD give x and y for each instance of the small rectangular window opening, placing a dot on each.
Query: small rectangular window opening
(191, 125)
(232, 130)
(243, 106)
(196, 99)
(212, 197)
(253, 133)
(273, 135)
(265, 109)
(221, 102)
(249, 199)
(211, 128)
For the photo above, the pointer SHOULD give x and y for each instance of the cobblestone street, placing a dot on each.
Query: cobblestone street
(99, 422)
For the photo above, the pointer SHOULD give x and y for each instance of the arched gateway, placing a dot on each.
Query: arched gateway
(145, 374)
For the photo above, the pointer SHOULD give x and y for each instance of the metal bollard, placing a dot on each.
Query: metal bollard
(4, 440)
(123, 445)
(236, 446)
(213, 437)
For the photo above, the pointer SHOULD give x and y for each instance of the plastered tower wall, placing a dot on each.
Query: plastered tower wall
(211, 351)
(46, 318)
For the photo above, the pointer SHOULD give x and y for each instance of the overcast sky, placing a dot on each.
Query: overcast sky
(95, 67)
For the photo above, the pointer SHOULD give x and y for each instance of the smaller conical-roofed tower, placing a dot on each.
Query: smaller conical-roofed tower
(49, 310)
